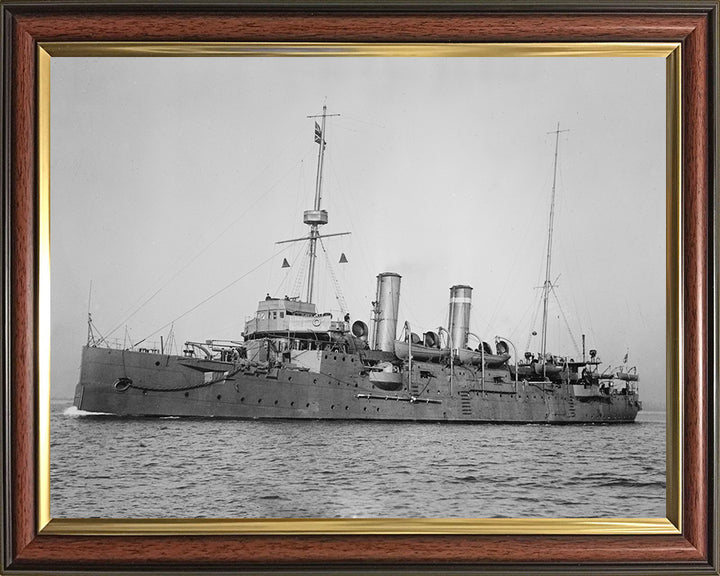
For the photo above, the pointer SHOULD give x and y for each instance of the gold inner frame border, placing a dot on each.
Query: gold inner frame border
(346, 526)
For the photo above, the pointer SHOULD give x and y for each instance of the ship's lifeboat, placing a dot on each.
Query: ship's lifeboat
(386, 376)
(475, 357)
(627, 376)
(549, 369)
(419, 352)
(523, 370)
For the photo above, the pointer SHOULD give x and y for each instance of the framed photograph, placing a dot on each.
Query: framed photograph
(359, 287)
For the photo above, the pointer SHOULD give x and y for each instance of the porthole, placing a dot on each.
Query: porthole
(289, 378)
(259, 400)
(292, 403)
(276, 402)
(377, 409)
(307, 405)
(325, 356)
(157, 362)
(343, 358)
(332, 407)
(219, 396)
(242, 399)
(364, 408)
(346, 407)
(314, 380)
(334, 357)
(187, 394)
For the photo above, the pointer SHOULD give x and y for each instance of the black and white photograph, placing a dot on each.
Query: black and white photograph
(358, 287)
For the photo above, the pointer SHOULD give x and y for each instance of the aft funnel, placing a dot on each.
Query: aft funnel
(459, 315)
(385, 311)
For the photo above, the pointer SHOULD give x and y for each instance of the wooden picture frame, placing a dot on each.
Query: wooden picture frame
(29, 546)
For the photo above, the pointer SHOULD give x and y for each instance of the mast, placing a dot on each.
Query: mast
(548, 283)
(315, 223)
(317, 216)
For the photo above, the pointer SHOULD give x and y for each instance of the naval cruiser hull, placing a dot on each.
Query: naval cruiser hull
(132, 383)
(293, 361)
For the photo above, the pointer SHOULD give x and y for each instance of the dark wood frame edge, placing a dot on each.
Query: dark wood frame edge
(382, 7)
(26, 23)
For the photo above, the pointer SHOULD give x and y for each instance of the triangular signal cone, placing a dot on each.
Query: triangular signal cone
(285, 263)
(343, 260)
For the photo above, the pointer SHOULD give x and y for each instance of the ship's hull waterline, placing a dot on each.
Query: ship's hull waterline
(132, 383)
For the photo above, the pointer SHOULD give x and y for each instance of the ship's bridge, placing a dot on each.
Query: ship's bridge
(290, 315)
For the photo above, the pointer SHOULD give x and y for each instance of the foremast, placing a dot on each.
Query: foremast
(317, 216)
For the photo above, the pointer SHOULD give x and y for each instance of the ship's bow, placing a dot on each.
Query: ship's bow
(99, 367)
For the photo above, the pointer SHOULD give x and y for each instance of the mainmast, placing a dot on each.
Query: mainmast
(317, 216)
(548, 283)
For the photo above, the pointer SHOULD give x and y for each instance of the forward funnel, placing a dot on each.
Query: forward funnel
(385, 311)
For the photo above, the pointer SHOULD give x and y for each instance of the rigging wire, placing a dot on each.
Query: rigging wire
(102, 338)
(338, 289)
(538, 302)
(531, 215)
(210, 297)
(441, 315)
(346, 199)
(301, 274)
(298, 255)
(409, 312)
(567, 324)
(520, 322)
(296, 286)
(201, 251)
(577, 279)
(348, 129)
(283, 281)
(171, 338)
(300, 196)
(353, 119)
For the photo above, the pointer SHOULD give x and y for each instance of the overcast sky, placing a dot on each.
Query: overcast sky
(172, 178)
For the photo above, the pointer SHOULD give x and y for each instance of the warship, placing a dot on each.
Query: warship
(293, 361)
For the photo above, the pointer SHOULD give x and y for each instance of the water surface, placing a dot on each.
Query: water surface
(103, 466)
